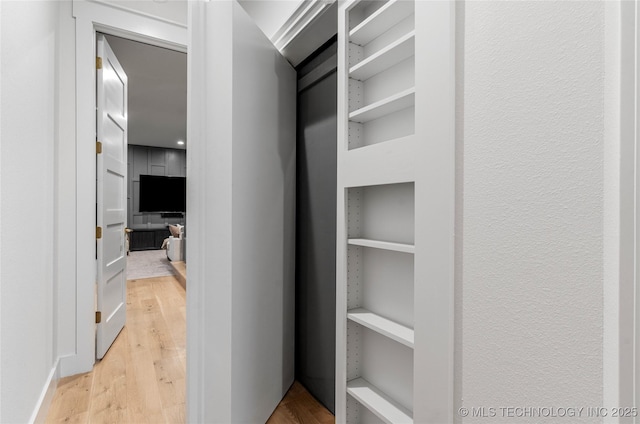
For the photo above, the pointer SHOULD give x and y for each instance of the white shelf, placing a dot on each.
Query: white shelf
(379, 403)
(383, 107)
(394, 53)
(380, 21)
(381, 325)
(386, 245)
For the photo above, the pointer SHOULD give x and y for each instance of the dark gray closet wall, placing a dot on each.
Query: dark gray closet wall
(316, 225)
(151, 161)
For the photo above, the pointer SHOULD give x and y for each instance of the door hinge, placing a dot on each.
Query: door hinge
(98, 147)
(98, 233)
(98, 317)
(98, 62)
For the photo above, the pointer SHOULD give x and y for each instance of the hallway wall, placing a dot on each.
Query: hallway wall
(29, 37)
(529, 265)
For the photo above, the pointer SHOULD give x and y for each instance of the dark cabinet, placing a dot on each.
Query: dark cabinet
(147, 238)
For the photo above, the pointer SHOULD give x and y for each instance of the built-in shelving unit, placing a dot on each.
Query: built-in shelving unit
(380, 286)
(375, 400)
(381, 55)
(398, 247)
(382, 325)
(394, 279)
(377, 18)
(383, 107)
(385, 58)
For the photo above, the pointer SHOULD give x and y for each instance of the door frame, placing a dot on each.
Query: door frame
(91, 17)
(622, 289)
(632, 317)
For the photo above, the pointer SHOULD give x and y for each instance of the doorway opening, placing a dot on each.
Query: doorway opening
(156, 168)
(155, 113)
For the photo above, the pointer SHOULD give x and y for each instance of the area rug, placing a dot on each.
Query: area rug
(147, 264)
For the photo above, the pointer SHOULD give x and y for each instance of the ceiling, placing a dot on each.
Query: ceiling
(157, 92)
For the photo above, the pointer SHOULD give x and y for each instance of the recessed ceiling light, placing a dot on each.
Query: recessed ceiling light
(180, 142)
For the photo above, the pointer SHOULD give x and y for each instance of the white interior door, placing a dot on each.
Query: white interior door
(111, 196)
(241, 203)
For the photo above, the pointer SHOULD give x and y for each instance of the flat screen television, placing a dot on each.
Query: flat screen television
(162, 194)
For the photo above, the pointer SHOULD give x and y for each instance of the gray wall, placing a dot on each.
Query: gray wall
(316, 226)
(144, 160)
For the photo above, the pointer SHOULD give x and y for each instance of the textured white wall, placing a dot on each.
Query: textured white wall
(531, 225)
(28, 84)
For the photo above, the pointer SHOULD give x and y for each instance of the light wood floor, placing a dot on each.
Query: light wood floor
(298, 406)
(142, 377)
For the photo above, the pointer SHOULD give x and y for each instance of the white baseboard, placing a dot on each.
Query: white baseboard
(39, 414)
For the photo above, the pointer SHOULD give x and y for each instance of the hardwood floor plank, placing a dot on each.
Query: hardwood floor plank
(82, 418)
(175, 414)
(142, 389)
(138, 340)
(281, 416)
(295, 390)
(299, 407)
(73, 396)
(109, 399)
(170, 379)
(301, 414)
(162, 345)
(322, 414)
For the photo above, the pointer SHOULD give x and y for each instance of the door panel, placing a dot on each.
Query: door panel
(111, 197)
(241, 217)
(263, 224)
(114, 142)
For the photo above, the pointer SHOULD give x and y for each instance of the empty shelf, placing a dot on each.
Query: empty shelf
(380, 21)
(398, 247)
(379, 403)
(394, 53)
(381, 325)
(384, 107)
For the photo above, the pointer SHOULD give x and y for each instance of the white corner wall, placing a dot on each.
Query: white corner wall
(28, 86)
(65, 300)
(530, 206)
